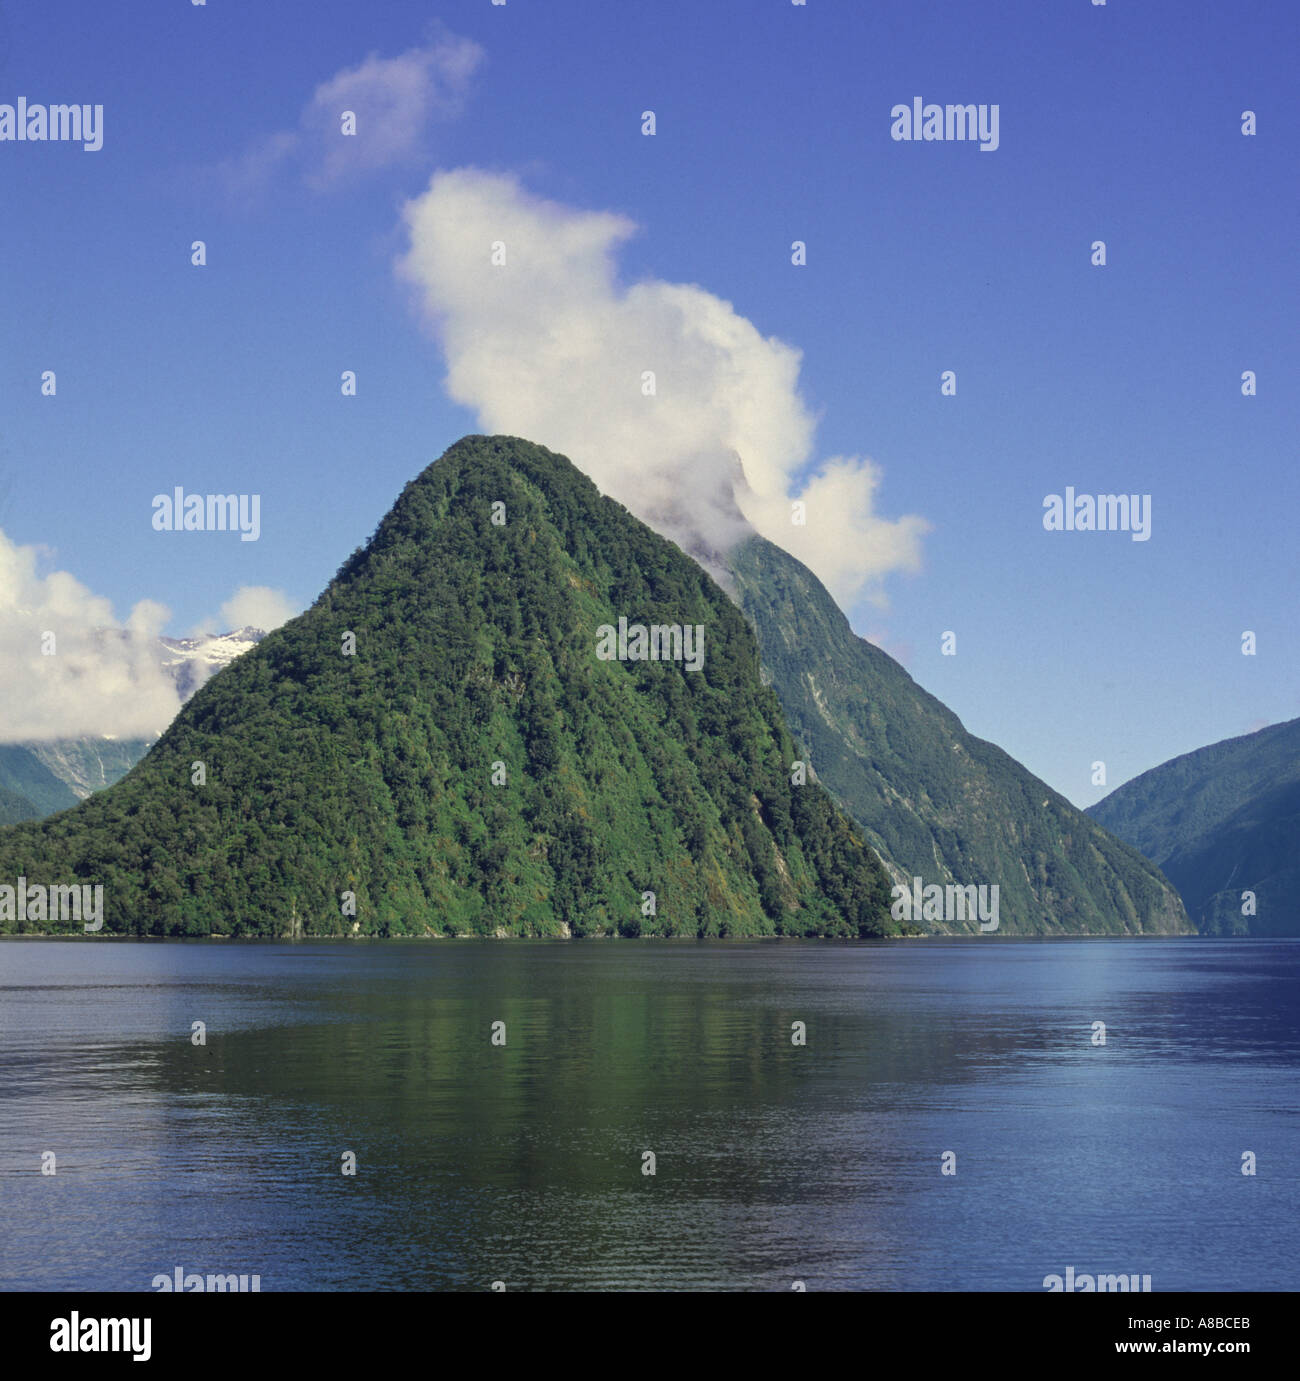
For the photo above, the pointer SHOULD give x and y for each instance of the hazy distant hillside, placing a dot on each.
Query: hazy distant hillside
(15, 807)
(1221, 821)
(25, 776)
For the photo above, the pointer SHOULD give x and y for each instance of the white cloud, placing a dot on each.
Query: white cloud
(251, 606)
(104, 676)
(101, 679)
(551, 347)
(394, 101)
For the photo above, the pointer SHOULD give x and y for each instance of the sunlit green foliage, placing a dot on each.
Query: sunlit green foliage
(475, 645)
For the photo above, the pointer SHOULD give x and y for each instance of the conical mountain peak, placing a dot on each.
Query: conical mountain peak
(515, 710)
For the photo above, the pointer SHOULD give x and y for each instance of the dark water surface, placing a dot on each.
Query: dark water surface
(775, 1163)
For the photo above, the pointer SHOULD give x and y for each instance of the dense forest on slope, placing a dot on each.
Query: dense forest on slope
(372, 774)
(935, 801)
(1222, 821)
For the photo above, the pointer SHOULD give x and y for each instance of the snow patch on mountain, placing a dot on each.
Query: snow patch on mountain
(191, 661)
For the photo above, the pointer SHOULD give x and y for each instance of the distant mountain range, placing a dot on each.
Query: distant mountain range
(1222, 822)
(39, 778)
(367, 776)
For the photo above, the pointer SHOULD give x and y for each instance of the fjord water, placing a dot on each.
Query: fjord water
(774, 1162)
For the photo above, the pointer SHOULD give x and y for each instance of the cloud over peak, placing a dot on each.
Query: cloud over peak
(674, 403)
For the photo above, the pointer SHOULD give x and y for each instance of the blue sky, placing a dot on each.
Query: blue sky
(1120, 123)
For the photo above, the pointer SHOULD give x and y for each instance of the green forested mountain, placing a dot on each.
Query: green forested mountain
(936, 802)
(1220, 822)
(299, 774)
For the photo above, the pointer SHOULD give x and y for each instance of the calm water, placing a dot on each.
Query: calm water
(775, 1163)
